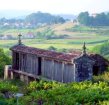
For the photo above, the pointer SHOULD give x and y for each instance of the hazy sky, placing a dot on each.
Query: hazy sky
(56, 6)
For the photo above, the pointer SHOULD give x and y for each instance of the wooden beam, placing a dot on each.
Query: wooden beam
(62, 71)
(52, 68)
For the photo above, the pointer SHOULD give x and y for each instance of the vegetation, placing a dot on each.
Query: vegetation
(53, 37)
(88, 29)
(7, 86)
(39, 17)
(31, 21)
(102, 77)
(4, 60)
(52, 48)
(46, 34)
(102, 49)
(47, 93)
(59, 44)
(101, 19)
(7, 91)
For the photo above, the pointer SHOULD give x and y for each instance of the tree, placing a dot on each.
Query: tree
(101, 19)
(4, 60)
(84, 18)
(52, 48)
(40, 17)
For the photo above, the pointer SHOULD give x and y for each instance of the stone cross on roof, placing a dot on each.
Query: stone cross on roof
(84, 49)
(19, 39)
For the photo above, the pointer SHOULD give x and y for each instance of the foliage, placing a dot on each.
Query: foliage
(7, 86)
(4, 60)
(52, 48)
(7, 89)
(39, 17)
(54, 93)
(102, 77)
(86, 93)
(101, 19)
(31, 21)
(41, 85)
(47, 34)
(84, 18)
(102, 49)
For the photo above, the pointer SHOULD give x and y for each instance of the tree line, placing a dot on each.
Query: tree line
(40, 17)
(31, 20)
(101, 19)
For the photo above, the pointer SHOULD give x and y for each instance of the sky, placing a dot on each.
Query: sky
(55, 6)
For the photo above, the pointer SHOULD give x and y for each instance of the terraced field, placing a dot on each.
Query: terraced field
(77, 35)
(74, 43)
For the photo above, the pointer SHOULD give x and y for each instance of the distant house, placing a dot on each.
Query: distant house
(30, 63)
(94, 15)
(6, 24)
(6, 37)
(41, 24)
(29, 35)
(75, 22)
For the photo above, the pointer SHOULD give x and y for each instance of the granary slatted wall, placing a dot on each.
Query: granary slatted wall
(32, 62)
(49, 64)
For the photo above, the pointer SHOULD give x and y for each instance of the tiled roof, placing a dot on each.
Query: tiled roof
(46, 53)
(99, 60)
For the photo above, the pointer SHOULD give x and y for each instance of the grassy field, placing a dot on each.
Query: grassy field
(77, 36)
(75, 43)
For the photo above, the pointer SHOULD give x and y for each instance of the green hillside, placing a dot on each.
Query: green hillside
(40, 17)
(61, 36)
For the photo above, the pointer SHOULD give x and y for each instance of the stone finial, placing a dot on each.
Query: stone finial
(84, 49)
(19, 39)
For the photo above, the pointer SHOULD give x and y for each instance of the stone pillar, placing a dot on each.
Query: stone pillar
(12, 76)
(74, 69)
(26, 79)
(6, 72)
(22, 77)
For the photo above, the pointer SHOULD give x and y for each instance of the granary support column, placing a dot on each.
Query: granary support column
(22, 77)
(12, 76)
(6, 70)
(74, 71)
(8, 73)
(26, 79)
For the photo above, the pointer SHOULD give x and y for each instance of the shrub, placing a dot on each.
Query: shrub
(82, 93)
(4, 60)
(6, 86)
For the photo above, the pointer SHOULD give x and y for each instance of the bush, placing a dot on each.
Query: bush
(4, 60)
(102, 49)
(82, 93)
(102, 77)
(52, 48)
(41, 85)
(6, 86)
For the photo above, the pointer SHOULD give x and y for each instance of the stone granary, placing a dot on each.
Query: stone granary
(30, 63)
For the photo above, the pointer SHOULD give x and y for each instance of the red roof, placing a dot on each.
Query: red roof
(46, 53)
